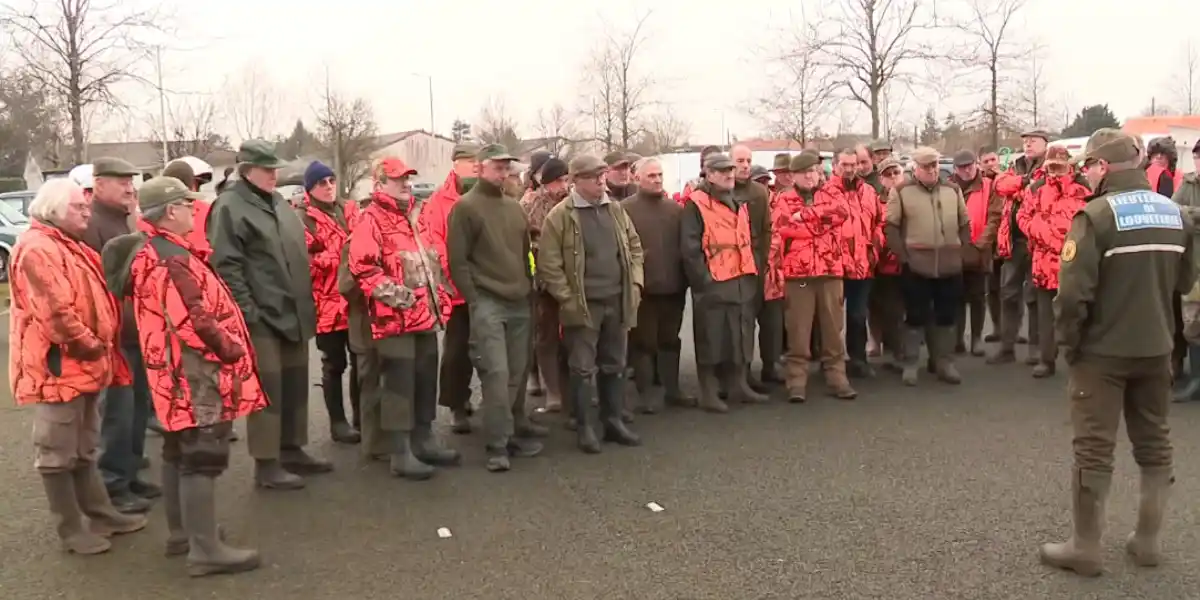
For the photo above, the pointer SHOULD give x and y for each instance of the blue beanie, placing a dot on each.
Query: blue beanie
(315, 173)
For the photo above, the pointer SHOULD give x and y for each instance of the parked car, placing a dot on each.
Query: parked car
(18, 200)
(423, 190)
(12, 223)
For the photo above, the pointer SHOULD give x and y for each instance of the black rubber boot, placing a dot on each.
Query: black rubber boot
(406, 464)
(579, 394)
(610, 389)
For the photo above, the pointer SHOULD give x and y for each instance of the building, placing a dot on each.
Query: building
(1185, 129)
(430, 154)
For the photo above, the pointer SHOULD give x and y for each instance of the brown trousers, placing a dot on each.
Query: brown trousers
(548, 343)
(1101, 389)
(66, 433)
(814, 304)
(454, 375)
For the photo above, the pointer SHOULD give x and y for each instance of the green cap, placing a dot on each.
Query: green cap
(615, 158)
(259, 153)
(586, 164)
(718, 161)
(1111, 146)
(783, 162)
(880, 146)
(161, 191)
(494, 152)
(804, 161)
(462, 151)
(113, 167)
(758, 172)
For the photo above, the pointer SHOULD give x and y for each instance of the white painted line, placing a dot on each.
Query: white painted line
(444, 532)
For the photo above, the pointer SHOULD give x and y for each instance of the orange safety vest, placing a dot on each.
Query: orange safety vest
(726, 240)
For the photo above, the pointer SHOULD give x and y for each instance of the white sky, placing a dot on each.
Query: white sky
(707, 56)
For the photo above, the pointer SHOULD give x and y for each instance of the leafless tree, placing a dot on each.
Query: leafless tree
(1031, 96)
(869, 43)
(557, 127)
(192, 126)
(663, 132)
(347, 129)
(252, 102)
(81, 50)
(990, 25)
(616, 87)
(802, 91)
(1187, 84)
(1156, 108)
(496, 125)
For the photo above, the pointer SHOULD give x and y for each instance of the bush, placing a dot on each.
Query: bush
(11, 184)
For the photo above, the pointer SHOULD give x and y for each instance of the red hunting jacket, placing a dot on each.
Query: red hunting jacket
(386, 246)
(862, 232)
(435, 216)
(325, 237)
(1045, 216)
(811, 244)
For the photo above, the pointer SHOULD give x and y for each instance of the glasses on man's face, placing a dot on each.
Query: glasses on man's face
(891, 173)
(327, 182)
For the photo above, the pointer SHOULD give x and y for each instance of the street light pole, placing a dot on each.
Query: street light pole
(432, 122)
(162, 104)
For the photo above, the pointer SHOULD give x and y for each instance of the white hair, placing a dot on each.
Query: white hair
(645, 162)
(53, 198)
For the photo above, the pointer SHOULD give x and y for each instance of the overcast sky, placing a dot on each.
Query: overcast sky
(707, 56)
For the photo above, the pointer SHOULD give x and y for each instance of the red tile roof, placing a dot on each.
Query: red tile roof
(1144, 125)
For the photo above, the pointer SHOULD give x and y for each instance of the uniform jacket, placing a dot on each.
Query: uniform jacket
(259, 251)
(1127, 254)
(1045, 217)
(436, 217)
(811, 246)
(928, 228)
(63, 323)
(391, 243)
(199, 361)
(561, 262)
(325, 235)
(862, 231)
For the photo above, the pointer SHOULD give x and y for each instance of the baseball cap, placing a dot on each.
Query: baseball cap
(393, 168)
(82, 176)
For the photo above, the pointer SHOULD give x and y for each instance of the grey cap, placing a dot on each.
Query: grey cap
(758, 172)
(586, 164)
(718, 161)
(964, 158)
(925, 155)
(113, 167)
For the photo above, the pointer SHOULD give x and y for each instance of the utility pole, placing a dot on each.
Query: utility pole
(432, 123)
(162, 104)
(336, 130)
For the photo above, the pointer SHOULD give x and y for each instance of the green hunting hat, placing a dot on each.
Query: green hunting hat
(613, 159)
(1109, 145)
(494, 152)
(462, 151)
(783, 162)
(113, 167)
(161, 191)
(804, 161)
(259, 153)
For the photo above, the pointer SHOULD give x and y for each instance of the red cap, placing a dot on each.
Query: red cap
(393, 168)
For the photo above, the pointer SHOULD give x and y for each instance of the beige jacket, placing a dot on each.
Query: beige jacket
(928, 228)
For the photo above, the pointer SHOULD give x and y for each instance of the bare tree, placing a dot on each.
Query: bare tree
(663, 133)
(192, 128)
(990, 25)
(347, 129)
(252, 102)
(802, 91)
(616, 86)
(80, 50)
(496, 125)
(1032, 98)
(869, 43)
(1187, 88)
(557, 127)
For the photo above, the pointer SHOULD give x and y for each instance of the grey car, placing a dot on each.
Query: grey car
(12, 223)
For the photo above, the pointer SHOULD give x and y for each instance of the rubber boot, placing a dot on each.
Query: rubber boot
(1143, 544)
(610, 390)
(912, 355)
(64, 505)
(668, 371)
(403, 462)
(95, 504)
(739, 384)
(462, 422)
(710, 399)
(427, 450)
(579, 396)
(1190, 389)
(650, 397)
(340, 430)
(270, 474)
(1081, 553)
(944, 346)
(177, 537)
(207, 553)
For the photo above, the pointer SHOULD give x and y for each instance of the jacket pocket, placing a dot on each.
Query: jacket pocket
(54, 360)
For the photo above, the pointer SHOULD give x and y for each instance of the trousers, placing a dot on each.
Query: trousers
(1104, 388)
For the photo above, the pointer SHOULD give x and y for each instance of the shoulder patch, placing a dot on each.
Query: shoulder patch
(1144, 209)
(1068, 251)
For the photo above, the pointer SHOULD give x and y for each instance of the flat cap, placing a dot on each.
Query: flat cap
(259, 153)
(538, 159)
(925, 155)
(1037, 133)
(182, 171)
(586, 164)
(161, 191)
(889, 163)
(462, 151)
(113, 167)
(1110, 145)
(880, 146)
(758, 172)
(783, 162)
(964, 157)
(617, 158)
(718, 161)
(494, 152)
(805, 161)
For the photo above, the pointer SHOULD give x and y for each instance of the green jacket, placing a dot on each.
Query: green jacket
(1188, 198)
(259, 252)
(561, 260)
(1128, 253)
